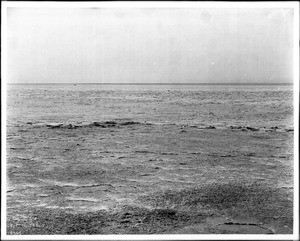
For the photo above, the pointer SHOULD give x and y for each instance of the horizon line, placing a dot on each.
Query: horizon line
(75, 83)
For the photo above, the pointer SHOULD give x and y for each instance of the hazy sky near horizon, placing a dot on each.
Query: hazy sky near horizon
(161, 45)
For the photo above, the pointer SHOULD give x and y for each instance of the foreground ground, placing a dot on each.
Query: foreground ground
(124, 177)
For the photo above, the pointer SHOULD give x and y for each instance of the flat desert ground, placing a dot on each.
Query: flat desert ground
(139, 176)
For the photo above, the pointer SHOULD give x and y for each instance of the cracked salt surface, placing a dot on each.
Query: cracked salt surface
(106, 171)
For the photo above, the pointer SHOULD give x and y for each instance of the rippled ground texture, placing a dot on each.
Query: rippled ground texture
(149, 159)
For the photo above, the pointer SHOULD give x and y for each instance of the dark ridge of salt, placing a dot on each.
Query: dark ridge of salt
(104, 124)
(127, 122)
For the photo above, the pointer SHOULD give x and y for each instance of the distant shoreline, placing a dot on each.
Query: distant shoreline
(267, 84)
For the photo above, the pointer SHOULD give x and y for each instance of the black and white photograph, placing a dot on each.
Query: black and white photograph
(150, 120)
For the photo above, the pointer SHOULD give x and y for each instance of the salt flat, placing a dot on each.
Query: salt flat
(110, 161)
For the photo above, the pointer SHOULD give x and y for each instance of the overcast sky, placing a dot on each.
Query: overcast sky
(93, 45)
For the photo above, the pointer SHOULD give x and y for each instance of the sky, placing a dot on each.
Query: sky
(149, 45)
